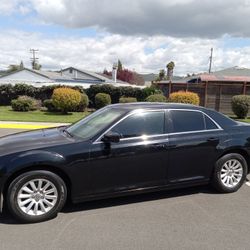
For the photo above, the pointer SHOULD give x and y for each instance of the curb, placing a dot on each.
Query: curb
(29, 126)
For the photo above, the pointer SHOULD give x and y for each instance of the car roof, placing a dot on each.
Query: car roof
(155, 105)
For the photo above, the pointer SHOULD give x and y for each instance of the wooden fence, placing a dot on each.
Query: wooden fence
(215, 95)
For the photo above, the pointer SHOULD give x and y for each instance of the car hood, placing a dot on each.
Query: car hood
(33, 140)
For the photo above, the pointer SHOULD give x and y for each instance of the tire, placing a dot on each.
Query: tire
(230, 173)
(30, 206)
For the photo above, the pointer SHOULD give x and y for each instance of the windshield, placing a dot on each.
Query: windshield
(95, 123)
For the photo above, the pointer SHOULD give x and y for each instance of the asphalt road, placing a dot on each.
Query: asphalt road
(193, 218)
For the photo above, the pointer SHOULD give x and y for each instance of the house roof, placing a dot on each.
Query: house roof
(93, 74)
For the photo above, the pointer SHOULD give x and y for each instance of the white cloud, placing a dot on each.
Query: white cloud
(179, 18)
(139, 53)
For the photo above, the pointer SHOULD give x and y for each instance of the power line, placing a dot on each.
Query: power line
(34, 59)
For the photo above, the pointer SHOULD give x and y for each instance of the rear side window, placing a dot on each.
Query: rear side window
(145, 123)
(185, 121)
(210, 124)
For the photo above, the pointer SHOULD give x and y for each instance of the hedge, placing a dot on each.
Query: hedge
(127, 99)
(9, 92)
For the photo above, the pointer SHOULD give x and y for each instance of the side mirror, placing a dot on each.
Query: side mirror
(111, 137)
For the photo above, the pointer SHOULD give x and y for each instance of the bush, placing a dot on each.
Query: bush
(240, 105)
(84, 103)
(156, 98)
(127, 99)
(184, 97)
(66, 99)
(25, 103)
(48, 103)
(115, 92)
(102, 99)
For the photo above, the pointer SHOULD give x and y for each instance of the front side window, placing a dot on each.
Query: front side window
(95, 123)
(142, 123)
(185, 121)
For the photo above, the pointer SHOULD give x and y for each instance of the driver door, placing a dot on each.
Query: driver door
(138, 160)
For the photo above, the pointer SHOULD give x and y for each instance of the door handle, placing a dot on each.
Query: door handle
(213, 139)
(158, 146)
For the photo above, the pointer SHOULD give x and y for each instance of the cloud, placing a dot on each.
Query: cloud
(178, 18)
(139, 53)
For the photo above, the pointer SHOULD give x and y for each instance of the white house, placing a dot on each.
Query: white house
(69, 76)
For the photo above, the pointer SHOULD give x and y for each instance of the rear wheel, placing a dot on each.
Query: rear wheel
(36, 196)
(230, 173)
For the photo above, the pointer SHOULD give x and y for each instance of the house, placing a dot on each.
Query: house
(215, 89)
(68, 76)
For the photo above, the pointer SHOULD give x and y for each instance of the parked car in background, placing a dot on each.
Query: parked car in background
(119, 150)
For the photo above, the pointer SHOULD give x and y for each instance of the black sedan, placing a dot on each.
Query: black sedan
(119, 150)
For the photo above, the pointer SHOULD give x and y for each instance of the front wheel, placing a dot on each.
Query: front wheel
(36, 196)
(230, 173)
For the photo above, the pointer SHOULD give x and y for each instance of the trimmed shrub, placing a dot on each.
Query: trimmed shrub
(184, 97)
(25, 103)
(240, 105)
(127, 99)
(83, 104)
(66, 99)
(48, 103)
(101, 100)
(156, 98)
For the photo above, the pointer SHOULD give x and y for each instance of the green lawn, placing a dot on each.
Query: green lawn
(6, 114)
(240, 120)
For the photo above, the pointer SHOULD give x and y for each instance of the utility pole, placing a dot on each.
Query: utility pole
(210, 61)
(34, 59)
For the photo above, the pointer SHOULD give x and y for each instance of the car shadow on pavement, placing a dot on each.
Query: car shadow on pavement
(6, 218)
(138, 198)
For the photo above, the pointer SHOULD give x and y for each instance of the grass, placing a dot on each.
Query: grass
(240, 120)
(6, 114)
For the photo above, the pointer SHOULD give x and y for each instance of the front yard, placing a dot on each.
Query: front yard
(6, 114)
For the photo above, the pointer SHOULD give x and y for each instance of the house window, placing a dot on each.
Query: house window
(70, 70)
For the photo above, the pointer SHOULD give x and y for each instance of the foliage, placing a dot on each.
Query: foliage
(115, 92)
(9, 92)
(126, 75)
(151, 91)
(102, 100)
(156, 98)
(184, 97)
(25, 103)
(48, 103)
(161, 76)
(170, 69)
(84, 103)
(66, 99)
(127, 99)
(240, 105)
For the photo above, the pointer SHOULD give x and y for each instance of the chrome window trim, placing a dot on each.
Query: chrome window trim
(126, 116)
(195, 110)
(219, 128)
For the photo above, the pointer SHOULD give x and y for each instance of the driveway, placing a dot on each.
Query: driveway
(193, 218)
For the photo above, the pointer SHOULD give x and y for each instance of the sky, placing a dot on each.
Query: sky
(144, 34)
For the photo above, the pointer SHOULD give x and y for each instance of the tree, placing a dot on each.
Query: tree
(161, 76)
(36, 66)
(119, 66)
(170, 70)
(15, 67)
(21, 66)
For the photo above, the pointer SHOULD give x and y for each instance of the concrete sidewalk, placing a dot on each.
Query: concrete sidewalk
(29, 125)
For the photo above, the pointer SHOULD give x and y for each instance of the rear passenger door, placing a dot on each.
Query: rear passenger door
(193, 141)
